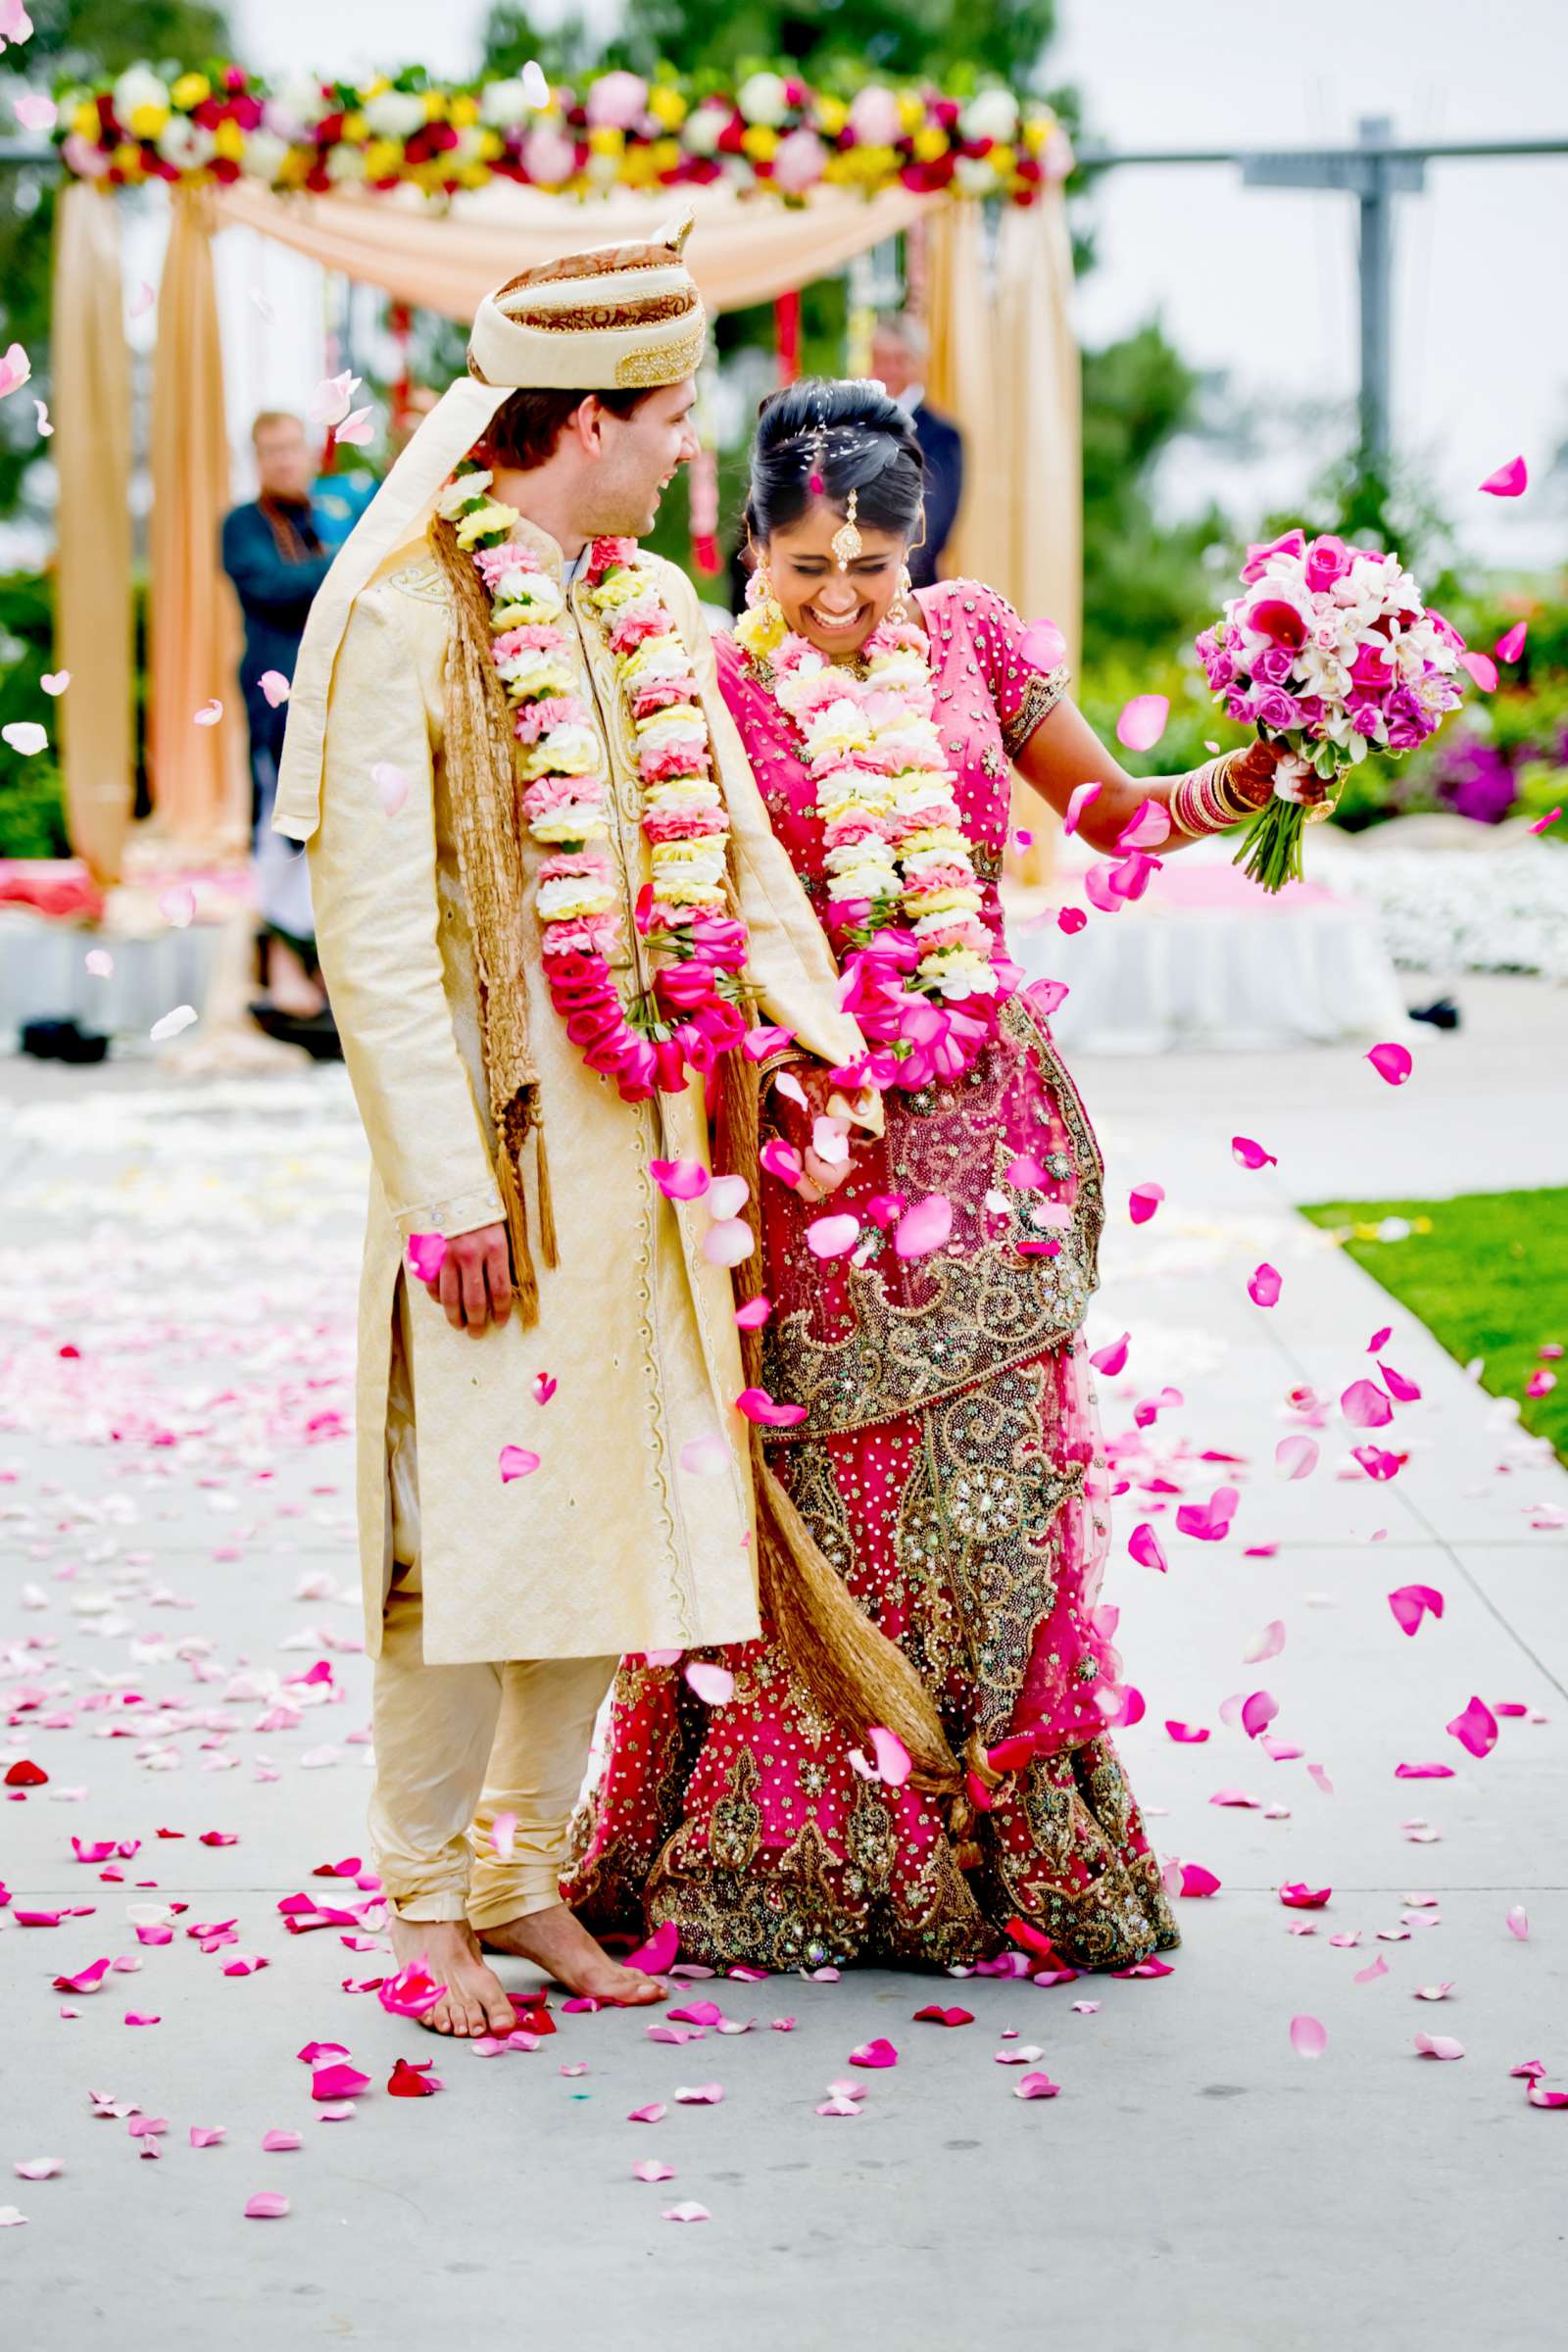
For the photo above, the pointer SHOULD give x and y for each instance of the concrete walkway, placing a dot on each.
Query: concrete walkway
(176, 1273)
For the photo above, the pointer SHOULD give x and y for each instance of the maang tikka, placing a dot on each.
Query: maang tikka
(846, 541)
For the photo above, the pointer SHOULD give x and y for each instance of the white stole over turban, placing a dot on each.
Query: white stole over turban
(616, 318)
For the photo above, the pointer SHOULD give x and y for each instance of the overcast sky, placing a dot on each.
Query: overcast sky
(1258, 283)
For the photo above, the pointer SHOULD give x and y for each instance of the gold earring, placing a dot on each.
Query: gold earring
(767, 603)
(905, 594)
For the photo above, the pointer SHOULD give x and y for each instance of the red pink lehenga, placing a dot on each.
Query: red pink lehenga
(952, 1467)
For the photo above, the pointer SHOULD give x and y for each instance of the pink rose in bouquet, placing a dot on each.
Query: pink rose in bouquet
(1331, 652)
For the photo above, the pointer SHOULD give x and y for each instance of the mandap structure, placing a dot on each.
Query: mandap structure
(434, 192)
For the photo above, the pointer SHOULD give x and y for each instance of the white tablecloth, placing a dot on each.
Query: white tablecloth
(1204, 961)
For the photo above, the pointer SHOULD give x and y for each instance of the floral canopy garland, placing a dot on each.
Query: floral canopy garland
(775, 134)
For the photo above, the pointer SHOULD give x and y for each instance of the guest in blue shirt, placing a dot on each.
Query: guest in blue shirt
(278, 553)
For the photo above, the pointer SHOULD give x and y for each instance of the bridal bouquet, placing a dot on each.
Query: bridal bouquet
(1329, 652)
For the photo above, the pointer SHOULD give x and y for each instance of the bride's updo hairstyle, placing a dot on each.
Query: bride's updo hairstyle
(843, 436)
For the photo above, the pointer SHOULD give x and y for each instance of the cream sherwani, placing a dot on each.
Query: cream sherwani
(611, 1545)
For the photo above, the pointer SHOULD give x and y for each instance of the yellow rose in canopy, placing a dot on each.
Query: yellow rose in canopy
(666, 106)
(146, 121)
(190, 90)
(228, 140)
(761, 142)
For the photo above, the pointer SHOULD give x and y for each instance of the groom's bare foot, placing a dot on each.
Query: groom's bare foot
(475, 2000)
(557, 1941)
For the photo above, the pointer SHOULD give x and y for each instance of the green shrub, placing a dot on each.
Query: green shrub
(33, 817)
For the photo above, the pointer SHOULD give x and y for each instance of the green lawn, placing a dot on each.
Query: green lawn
(1486, 1273)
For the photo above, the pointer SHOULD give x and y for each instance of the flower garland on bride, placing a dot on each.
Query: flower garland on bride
(928, 976)
(691, 1013)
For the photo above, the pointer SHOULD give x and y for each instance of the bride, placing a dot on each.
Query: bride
(926, 1333)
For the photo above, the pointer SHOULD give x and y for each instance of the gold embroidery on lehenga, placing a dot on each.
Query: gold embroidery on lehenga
(986, 1310)
(1039, 699)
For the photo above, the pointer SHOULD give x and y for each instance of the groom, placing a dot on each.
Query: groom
(544, 1342)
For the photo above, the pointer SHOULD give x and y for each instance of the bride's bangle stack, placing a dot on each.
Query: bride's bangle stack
(1204, 800)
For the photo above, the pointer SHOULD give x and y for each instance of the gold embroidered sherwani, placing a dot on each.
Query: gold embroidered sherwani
(611, 1545)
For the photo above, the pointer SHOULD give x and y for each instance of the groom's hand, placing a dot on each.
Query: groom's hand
(474, 1283)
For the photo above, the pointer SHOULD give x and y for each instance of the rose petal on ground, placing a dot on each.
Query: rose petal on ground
(713, 1684)
(1196, 1881)
(650, 2169)
(408, 2080)
(1366, 1976)
(699, 2094)
(12, 2217)
(653, 2114)
(1308, 2036)
(1391, 1061)
(516, 1462)
(1266, 1645)
(277, 2142)
(1508, 481)
(266, 2206)
(876, 2053)
(204, 2135)
(687, 2213)
(1298, 1896)
(1036, 2087)
(1518, 1921)
(1438, 2045)
(1475, 1729)
(40, 2168)
(934, 2015)
(659, 1952)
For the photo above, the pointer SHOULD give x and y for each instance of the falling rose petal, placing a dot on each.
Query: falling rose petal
(753, 1313)
(516, 1462)
(1251, 1155)
(15, 369)
(686, 2213)
(1078, 801)
(99, 962)
(1316, 1774)
(428, 1255)
(715, 1685)
(391, 786)
(333, 398)
(1438, 2045)
(1142, 721)
(1148, 828)
(1308, 2036)
(266, 2206)
(1391, 1061)
(680, 1179)
(1266, 1645)
(893, 1761)
(1144, 1547)
(1042, 645)
(1259, 1712)
(35, 111)
(1365, 1405)
(832, 1237)
(543, 1387)
(173, 1024)
(1518, 1923)
(1402, 1391)
(1264, 1287)
(875, 2054)
(274, 687)
(412, 1993)
(1143, 1200)
(1296, 1456)
(1509, 481)
(1475, 1729)
(757, 1044)
(1070, 919)
(727, 1196)
(756, 1406)
(209, 714)
(1411, 1604)
(24, 735)
(1187, 1734)
(1112, 1359)
(708, 1456)
(1480, 668)
(1380, 1338)
(1511, 643)
(356, 430)
(924, 1227)
(652, 2169)
(729, 1242)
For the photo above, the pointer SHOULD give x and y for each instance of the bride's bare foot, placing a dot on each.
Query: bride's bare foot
(557, 1941)
(475, 2000)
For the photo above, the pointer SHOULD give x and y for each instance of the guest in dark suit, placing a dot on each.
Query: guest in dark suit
(900, 351)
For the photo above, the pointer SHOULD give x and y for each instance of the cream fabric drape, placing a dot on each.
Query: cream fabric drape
(197, 773)
(1004, 367)
(740, 253)
(91, 451)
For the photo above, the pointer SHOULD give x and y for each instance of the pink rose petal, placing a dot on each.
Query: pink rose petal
(516, 1462)
(1036, 2087)
(1266, 1645)
(1189, 1733)
(1112, 1359)
(210, 713)
(204, 2136)
(832, 1237)
(1144, 1546)
(654, 2114)
(1391, 1061)
(1366, 1976)
(1511, 643)
(1308, 2036)
(699, 2094)
(1411, 1604)
(708, 1456)
(680, 1179)
(1438, 2045)
(923, 1227)
(658, 1953)
(1518, 1921)
(40, 2168)
(876, 2053)
(275, 688)
(1251, 1155)
(713, 1684)
(756, 1406)
(1042, 645)
(1365, 1405)
(1142, 721)
(1475, 1729)
(1078, 800)
(1143, 1200)
(687, 2213)
(391, 786)
(650, 2169)
(1508, 481)
(1263, 1289)
(266, 2206)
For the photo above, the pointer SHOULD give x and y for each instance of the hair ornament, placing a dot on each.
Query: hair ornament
(846, 541)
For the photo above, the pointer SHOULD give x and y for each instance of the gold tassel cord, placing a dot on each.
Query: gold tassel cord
(482, 782)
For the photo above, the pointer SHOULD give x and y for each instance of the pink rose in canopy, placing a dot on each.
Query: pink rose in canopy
(1293, 543)
(1328, 560)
